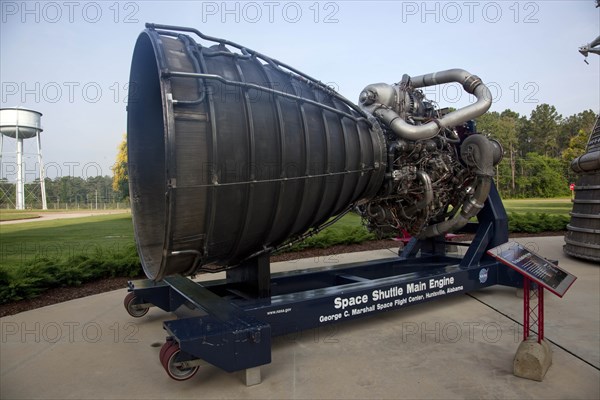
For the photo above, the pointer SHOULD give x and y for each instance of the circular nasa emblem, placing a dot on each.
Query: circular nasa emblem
(483, 275)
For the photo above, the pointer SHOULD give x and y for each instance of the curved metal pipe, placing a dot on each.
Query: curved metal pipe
(478, 152)
(392, 149)
(471, 84)
(428, 191)
(469, 209)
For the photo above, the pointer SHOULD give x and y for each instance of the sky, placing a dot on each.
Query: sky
(70, 60)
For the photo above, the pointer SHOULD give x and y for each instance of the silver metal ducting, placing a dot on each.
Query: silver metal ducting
(376, 99)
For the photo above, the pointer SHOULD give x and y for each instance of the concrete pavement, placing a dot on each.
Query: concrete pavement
(454, 347)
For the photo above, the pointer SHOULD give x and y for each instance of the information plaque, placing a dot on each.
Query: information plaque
(534, 266)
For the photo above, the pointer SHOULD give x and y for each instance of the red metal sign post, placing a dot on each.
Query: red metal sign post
(533, 309)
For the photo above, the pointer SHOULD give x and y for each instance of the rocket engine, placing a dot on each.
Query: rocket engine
(233, 154)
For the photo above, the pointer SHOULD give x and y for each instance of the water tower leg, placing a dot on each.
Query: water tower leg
(1, 168)
(42, 172)
(20, 183)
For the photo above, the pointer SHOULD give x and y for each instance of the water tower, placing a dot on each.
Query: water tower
(20, 124)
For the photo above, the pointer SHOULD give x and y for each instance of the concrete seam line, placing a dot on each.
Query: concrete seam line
(545, 338)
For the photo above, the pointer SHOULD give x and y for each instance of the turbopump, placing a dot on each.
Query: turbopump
(439, 170)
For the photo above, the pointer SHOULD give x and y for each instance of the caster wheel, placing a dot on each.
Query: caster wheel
(170, 357)
(163, 349)
(133, 309)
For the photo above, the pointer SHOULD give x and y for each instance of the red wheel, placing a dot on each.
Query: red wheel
(132, 308)
(170, 357)
(164, 348)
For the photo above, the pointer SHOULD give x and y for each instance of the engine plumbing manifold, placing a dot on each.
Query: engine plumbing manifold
(439, 170)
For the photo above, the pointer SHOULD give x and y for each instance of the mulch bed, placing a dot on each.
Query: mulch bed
(58, 295)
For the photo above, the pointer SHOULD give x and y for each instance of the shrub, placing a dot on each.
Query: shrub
(536, 222)
(31, 278)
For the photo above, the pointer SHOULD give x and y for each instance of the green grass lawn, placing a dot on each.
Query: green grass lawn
(560, 206)
(63, 238)
(39, 255)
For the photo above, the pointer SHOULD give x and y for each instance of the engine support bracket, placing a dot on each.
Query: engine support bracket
(231, 327)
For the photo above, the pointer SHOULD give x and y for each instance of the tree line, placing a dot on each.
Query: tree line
(537, 149)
